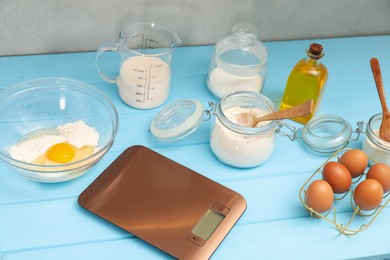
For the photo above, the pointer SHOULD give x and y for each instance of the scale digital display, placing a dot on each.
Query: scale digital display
(208, 224)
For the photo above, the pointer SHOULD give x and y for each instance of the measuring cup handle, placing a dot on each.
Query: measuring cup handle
(114, 47)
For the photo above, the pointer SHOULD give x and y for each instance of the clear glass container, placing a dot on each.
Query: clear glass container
(39, 106)
(231, 143)
(326, 133)
(239, 62)
(373, 146)
(146, 51)
(240, 146)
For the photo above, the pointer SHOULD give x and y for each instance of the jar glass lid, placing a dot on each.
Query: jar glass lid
(241, 53)
(327, 133)
(177, 120)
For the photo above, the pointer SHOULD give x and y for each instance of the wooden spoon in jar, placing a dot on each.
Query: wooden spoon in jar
(384, 130)
(249, 120)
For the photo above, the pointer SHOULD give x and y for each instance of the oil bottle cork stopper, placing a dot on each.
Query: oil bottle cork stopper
(316, 51)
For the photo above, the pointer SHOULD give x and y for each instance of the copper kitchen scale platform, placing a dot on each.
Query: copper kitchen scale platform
(164, 203)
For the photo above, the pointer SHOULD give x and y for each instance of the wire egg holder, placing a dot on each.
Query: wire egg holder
(357, 212)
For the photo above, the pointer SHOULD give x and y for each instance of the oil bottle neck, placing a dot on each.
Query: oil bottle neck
(312, 62)
(314, 54)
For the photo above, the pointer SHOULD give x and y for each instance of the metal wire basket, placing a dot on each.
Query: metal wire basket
(348, 226)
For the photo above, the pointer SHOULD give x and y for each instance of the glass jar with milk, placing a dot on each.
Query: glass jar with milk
(144, 74)
(239, 62)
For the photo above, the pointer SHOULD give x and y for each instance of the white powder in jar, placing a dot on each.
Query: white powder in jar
(222, 83)
(376, 152)
(77, 134)
(241, 150)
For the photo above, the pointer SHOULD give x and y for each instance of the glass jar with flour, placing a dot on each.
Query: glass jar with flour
(239, 62)
(237, 145)
(373, 145)
(232, 143)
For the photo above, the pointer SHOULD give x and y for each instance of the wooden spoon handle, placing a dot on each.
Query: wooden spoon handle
(376, 71)
(296, 111)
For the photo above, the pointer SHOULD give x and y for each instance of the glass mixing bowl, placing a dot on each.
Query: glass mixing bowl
(46, 103)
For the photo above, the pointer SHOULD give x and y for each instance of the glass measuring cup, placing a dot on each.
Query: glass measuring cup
(144, 73)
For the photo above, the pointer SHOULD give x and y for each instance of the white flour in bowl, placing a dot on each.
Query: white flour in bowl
(34, 145)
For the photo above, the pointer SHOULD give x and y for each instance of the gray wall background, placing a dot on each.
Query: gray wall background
(55, 26)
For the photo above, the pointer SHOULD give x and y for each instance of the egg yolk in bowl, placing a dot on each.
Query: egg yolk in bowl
(61, 153)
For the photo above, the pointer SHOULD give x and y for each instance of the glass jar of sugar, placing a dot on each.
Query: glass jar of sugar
(373, 145)
(239, 62)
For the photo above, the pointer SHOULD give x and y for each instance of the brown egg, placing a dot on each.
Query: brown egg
(319, 196)
(381, 173)
(356, 162)
(368, 194)
(338, 176)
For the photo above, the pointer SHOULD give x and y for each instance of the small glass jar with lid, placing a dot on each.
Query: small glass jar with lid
(239, 62)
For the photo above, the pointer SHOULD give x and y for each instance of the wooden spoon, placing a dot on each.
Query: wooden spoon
(384, 130)
(249, 120)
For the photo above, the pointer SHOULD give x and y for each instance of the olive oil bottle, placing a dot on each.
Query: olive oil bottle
(307, 80)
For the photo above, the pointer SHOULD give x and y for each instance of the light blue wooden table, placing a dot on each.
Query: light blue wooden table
(44, 221)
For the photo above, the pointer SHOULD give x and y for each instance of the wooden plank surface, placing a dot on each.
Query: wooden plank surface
(44, 221)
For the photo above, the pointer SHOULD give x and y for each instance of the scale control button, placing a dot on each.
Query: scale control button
(196, 240)
(220, 208)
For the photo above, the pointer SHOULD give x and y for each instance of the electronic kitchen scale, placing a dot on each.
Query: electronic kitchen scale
(164, 203)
